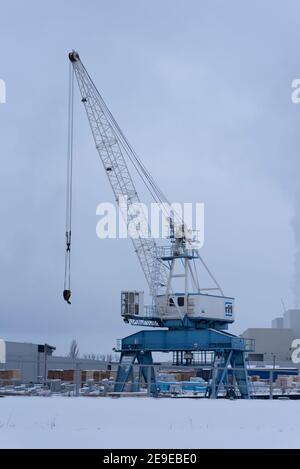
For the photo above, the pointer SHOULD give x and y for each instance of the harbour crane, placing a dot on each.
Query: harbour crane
(188, 321)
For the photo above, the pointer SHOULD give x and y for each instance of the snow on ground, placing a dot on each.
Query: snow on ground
(85, 422)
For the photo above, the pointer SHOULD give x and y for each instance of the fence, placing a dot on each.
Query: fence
(170, 382)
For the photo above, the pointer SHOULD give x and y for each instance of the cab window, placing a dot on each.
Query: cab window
(171, 302)
(180, 301)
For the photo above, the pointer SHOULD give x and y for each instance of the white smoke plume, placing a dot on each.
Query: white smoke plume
(296, 230)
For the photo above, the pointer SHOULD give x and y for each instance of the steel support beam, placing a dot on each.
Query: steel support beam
(229, 350)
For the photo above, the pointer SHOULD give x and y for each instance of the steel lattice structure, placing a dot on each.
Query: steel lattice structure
(111, 147)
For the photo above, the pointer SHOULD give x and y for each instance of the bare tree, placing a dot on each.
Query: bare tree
(74, 349)
(98, 356)
(90, 356)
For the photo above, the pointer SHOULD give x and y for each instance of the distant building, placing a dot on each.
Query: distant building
(291, 320)
(277, 323)
(270, 344)
(34, 360)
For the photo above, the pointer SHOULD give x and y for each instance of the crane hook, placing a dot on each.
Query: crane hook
(67, 279)
(67, 296)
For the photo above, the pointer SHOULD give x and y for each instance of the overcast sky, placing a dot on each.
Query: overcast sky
(202, 89)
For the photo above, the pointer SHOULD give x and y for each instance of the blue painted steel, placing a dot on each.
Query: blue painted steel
(165, 386)
(186, 322)
(229, 351)
(183, 340)
(126, 371)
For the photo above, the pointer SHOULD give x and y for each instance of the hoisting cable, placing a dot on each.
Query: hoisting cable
(67, 279)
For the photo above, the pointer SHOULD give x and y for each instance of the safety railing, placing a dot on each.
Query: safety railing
(183, 346)
(167, 252)
(151, 311)
(119, 344)
(249, 344)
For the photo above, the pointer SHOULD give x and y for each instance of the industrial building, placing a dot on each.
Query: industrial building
(291, 319)
(33, 361)
(274, 345)
(270, 344)
(277, 323)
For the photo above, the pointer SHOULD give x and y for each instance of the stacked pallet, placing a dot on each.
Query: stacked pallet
(10, 376)
(97, 375)
(55, 374)
(64, 375)
(255, 378)
(85, 375)
(185, 375)
(284, 381)
(113, 374)
(181, 375)
(68, 375)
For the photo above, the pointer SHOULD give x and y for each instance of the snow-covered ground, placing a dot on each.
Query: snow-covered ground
(84, 422)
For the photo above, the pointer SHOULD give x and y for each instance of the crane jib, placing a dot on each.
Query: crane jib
(115, 152)
(113, 149)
